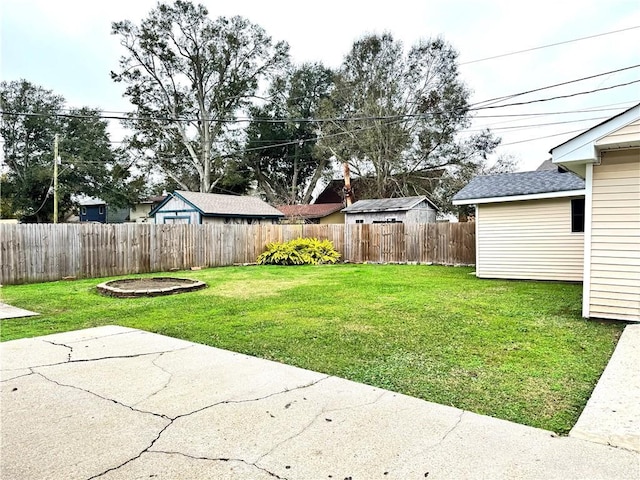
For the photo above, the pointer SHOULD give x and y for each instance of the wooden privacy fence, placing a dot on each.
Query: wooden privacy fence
(46, 252)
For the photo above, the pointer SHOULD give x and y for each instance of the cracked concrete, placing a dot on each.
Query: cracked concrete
(116, 403)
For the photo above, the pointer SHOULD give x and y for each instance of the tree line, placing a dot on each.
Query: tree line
(218, 106)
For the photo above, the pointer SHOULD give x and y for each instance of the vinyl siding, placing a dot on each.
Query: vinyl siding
(528, 240)
(615, 243)
(627, 133)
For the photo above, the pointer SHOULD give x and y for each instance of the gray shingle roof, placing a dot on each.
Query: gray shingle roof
(217, 204)
(521, 183)
(387, 204)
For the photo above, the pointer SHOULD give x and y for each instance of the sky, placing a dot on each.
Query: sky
(66, 46)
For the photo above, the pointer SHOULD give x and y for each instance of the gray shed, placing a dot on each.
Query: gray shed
(392, 210)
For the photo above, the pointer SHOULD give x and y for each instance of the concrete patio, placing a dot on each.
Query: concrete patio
(118, 403)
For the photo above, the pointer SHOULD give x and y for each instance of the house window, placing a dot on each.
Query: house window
(577, 215)
(360, 221)
(387, 220)
(101, 210)
(83, 211)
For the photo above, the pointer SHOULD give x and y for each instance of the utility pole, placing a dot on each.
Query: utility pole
(348, 193)
(55, 179)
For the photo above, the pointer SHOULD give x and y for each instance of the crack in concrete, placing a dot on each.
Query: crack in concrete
(223, 402)
(62, 345)
(172, 420)
(170, 374)
(84, 360)
(320, 414)
(240, 460)
(102, 397)
(378, 398)
(31, 372)
(117, 467)
(448, 432)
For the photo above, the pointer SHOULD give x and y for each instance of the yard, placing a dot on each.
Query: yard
(514, 350)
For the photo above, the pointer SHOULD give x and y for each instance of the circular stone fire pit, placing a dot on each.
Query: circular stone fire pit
(148, 287)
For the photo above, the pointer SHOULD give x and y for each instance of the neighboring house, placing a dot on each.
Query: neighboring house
(392, 210)
(582, 226)
(323, 213)
(96, 210)
(140, 211)
(427, 181)
(199, 208)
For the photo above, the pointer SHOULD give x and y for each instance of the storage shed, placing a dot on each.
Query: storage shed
(392, 210)
(582, 224)
(199, 208)
(528, 224)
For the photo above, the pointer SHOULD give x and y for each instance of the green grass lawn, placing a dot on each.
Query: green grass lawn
(514, 350)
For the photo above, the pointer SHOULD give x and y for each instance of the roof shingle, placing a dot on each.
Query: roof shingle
(217, 204)
(520, 183)
(387, 204)
(316, 210)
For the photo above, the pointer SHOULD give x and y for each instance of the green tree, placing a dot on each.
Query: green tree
(281, 151)
(31, 118)
(188, 77)
(402, 115)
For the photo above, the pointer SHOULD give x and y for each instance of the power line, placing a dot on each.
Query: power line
(564, 112)
(540, 138)
(506, 97)
(548, 45)
(558, 96)
(473, 107)
(319, 120)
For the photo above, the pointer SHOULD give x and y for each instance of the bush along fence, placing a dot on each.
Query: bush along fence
(47, 252)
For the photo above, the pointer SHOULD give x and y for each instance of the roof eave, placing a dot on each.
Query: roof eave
(244, 215)
(582, 148)
(375, 210)
(516, 198)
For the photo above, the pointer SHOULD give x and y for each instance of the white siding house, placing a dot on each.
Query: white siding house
(528, 239)
(608, 156)
(527, 224)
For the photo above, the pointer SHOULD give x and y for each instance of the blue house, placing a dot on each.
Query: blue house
(96, 210)
(93, 210)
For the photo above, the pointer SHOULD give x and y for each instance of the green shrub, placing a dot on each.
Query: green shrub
(300, 251)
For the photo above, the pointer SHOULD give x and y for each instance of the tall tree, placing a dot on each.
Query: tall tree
(188, 76)
(459, 175)
(282, 151)
(402, 114)
(31, 118)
